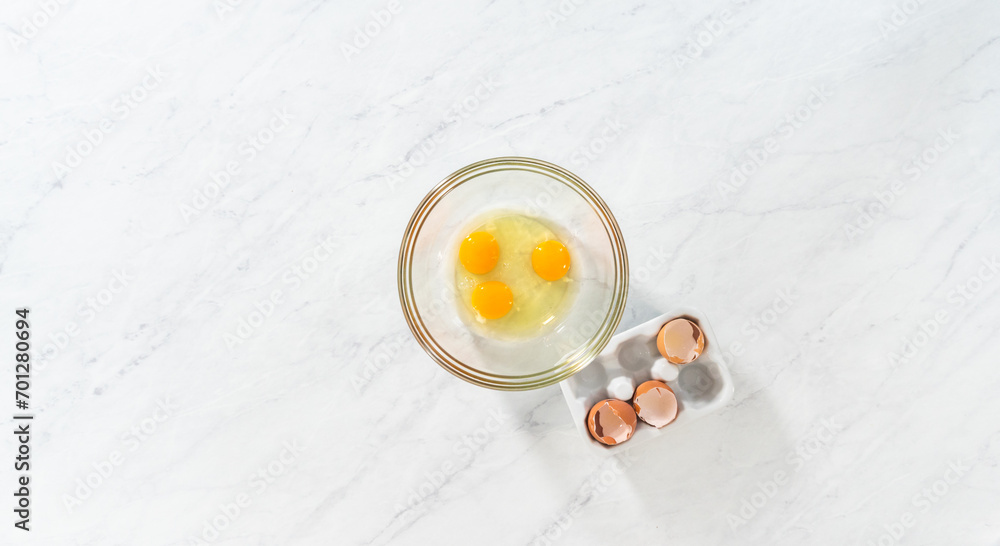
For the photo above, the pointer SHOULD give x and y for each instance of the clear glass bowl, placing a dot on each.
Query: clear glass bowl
(428, 258)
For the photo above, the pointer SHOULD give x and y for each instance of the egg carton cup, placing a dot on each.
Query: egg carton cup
(631, 358)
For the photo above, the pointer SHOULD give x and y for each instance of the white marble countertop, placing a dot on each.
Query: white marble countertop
(203, 205)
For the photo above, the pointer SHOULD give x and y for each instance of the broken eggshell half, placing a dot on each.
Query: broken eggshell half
(611, 422)
(680, 341)
(655, 403)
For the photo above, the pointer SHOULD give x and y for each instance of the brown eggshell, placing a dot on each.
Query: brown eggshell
(655, 403)
(680, 341)
(611, 421)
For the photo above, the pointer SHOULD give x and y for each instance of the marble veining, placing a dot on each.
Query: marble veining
(203, 208)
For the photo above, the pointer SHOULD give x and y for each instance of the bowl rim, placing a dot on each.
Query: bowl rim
(586, 352)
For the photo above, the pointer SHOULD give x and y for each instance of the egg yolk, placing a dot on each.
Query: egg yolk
(550, 260)
(492, 299)
(479, 253)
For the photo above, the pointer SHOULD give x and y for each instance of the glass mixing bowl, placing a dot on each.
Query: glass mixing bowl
(428, 258)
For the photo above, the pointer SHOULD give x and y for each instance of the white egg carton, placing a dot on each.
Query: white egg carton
(701, 387)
